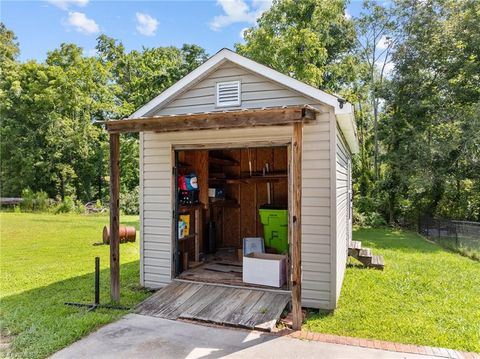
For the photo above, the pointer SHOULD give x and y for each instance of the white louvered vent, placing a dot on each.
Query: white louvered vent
(228, 94)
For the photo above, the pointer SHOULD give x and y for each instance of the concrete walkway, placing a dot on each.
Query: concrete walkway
(137, 336)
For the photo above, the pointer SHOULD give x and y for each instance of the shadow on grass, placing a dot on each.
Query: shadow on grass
(41, 323)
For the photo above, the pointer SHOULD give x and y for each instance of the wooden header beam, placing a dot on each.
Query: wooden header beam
(216, 120)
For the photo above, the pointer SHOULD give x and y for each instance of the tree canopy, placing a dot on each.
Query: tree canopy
(50, 139)
(411, 68)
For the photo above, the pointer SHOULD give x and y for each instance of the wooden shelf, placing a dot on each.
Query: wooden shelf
(228, 203)
(254, 179)
(195, 212)
(260, 174)
(189, 208)
(190, 236)
(222, 161)
(266, 179)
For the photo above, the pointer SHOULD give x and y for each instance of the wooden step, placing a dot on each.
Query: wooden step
(365, 252)
(364, 255)
(353, 248)
(355, 245)
(377, 262)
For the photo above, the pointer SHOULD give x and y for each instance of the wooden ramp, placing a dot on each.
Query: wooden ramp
(240, 307)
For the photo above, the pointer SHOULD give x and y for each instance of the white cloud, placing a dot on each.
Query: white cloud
(90, 52)
(146, 25)
(347, 15)
(82, 23)
(389, 69)
(261, 6)
(242, 33)
(65, 4)
(383, 43)
(238, 11)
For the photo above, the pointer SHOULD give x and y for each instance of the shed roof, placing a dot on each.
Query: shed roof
(343, 110)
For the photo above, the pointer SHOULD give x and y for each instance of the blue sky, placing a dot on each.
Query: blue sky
(43, 25)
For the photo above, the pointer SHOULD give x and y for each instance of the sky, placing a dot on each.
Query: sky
(42, 25)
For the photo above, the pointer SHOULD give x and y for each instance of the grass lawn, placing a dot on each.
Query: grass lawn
(49, 259)
(426, 295)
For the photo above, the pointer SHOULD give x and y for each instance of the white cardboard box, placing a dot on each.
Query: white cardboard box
(264, 269)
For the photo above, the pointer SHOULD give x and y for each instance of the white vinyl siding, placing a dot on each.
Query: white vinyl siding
(156, 215)
(256, 92)
(343, 234)
(156, 177)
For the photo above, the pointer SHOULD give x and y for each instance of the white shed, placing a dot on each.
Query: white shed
(252, 137)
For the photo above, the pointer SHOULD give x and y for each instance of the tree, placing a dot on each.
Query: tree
(376, 39)
(310, 40)
(431, 132)
(50, 139)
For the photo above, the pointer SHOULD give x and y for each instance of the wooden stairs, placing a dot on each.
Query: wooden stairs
(365, 255)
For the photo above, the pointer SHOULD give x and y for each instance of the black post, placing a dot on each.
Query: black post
(97, 280)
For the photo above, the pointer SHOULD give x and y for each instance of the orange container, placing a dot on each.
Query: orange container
(126, 234)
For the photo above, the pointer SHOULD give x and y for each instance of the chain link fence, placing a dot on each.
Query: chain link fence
(459, 235)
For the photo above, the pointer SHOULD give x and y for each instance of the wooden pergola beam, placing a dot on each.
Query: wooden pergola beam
(297, 142)
(115, 217)
(215, 120)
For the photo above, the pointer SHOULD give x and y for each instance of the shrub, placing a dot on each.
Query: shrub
(129, 202)
(358, 218)
(368, 220)
(67, 205)
(28, 199)
(34, 201)
(374, 220)
(41, 201)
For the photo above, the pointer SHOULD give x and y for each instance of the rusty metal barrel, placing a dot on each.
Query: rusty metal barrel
(126, 234)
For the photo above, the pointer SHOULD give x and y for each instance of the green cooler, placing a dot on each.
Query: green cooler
(275, 227)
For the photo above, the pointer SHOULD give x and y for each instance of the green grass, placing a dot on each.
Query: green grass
(47, 260)
(466, 247)
(426, 295)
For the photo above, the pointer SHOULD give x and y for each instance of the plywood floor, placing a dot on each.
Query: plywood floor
(216, 271)
(221, 268)
(240, 307)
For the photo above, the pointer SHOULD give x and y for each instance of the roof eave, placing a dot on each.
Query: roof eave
(346, 122)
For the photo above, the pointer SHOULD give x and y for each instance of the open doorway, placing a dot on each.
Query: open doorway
(222, 197)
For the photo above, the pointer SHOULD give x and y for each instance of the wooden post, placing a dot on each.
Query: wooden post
(297, 226)
(198, 226)
(114, 217)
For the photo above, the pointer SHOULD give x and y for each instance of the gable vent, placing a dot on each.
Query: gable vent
(228, 93)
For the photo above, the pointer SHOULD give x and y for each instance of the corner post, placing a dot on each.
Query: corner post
(114, 217)
(297, 226)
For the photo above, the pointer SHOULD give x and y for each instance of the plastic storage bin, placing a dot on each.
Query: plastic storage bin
(275, 228)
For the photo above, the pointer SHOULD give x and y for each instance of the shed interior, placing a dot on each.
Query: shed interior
(233, 185)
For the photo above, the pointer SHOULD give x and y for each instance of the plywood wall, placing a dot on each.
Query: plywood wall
(233, 224)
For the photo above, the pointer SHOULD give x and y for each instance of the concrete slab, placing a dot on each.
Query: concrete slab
(137, 336)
